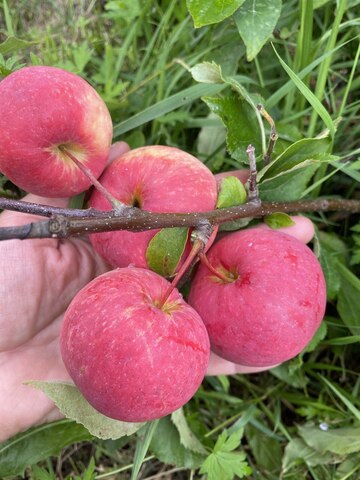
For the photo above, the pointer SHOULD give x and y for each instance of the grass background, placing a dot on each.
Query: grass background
(137, 54)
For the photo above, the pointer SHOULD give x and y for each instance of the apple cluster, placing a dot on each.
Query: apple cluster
(133, 346)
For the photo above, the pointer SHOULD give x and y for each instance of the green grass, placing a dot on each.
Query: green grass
(138, 57)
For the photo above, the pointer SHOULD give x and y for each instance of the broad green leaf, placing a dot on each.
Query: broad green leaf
(341, 441)
(266, 450)
(167, 447)
(348, 304)
(207, 12)
(289, 185)
(223, 462)
(232, 193)
(38, 444)
(13, 44)
(309, 95)
(256, 21)
(165, 250)
(319, 335)
(241, 123)
(295, 154)
(278, 220)
(165, 106)
(206, 72)
(74, 406)
(187, 437)
(297, 451)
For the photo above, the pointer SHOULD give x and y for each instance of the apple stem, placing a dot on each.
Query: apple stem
(273, 133)
(205, 261)
(253, 188)
(114, 202)
(198, 245)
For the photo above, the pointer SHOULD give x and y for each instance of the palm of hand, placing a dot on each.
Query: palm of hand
(38, 279)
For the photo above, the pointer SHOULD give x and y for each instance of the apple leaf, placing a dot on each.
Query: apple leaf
(38, 443)
(256, 20)
(223, 462)
(165, 250)
(13, 44)
(296, 154)
(167, 446)
(187, 438)
(241, 122)
(232, 193)
(207, 72)
(206, 12)
(278, 220)
(74, 406)
(348, 299)
(341, 441)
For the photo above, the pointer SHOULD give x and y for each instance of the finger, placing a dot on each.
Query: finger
(220, 366)
(117, 149)
(303, 228)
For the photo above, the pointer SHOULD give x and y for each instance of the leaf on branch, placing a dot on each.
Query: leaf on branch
(74, 406)
(278, 220)
(232, 193)
(207, 12)
(241, 122)
(223, 462)
(256, 20)
(165, 250)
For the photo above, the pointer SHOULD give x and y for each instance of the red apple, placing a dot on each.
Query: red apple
(45, 109)
(157, 179)
(274, 303)
(131, 358)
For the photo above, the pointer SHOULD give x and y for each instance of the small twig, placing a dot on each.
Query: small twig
(114, 202)
(273, 133)
(253, 188)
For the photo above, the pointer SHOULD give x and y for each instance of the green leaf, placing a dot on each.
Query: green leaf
(310, 97)
(74, 406)
(289, 185)
(241, 122)
(223, 462)
(232, 193)
(165, 250)
(142, 445)
(13, 44)
(266, 450)
(207, 12)
(206, 72)
(167, 447)
(319, 335)
(341, 441)
(278, 220)
(187, 437)
(295, 154)
(348, 304)
(328, 257)
(38, 444)
(296, 451)
(256, 20)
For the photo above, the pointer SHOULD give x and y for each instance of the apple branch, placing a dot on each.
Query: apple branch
(74, 223)
(253, 188)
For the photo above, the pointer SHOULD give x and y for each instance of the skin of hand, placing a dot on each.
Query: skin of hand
(38, 280)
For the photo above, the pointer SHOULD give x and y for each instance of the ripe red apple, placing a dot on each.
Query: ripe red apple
(157, 179)
(133, 359)
(43, 110)
(274, 303)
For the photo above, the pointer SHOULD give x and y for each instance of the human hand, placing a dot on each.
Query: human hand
(38, 280)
